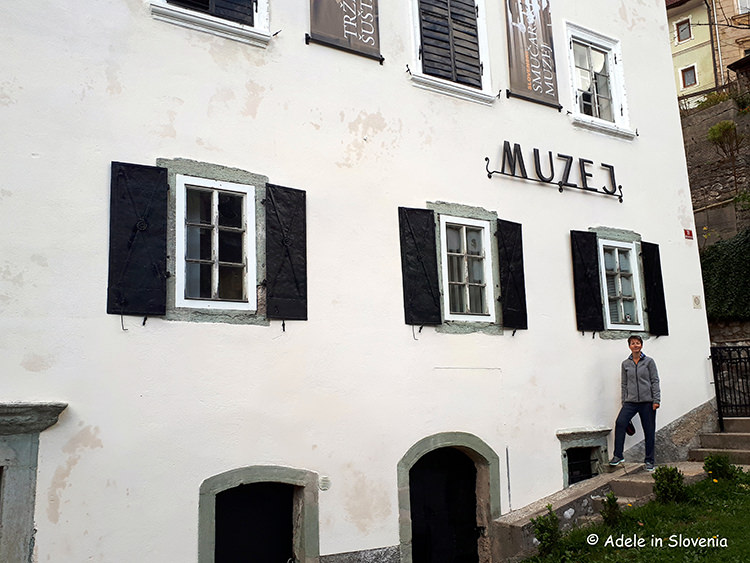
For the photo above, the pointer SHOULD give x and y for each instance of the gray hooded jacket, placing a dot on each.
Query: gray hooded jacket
(640, 382)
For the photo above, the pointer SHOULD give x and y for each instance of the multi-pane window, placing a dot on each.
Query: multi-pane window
(621, 284)
(683, 30)
(216, 244)
(467, 270)
(240, 11)
(592, 80)
(689, 77)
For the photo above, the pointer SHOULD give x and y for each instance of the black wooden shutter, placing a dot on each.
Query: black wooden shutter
(512, 286)
(656, 306)
(587, 282)
(241, 11)
(286, 253)
(137, 240)
(450, 42)
(419, 269)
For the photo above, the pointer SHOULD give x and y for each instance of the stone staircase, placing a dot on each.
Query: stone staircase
(734, 442)
(513, 534)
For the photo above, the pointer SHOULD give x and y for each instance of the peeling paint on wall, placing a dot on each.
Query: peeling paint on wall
(366, 503)
(37, 362)
(87, 437)
(253, 99)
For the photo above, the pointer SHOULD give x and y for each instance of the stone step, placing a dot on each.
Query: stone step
(635, 485)
(735, 456)
(726, 440)
(737, 424)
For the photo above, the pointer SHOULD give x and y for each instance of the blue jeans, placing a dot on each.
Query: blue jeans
(648, 421)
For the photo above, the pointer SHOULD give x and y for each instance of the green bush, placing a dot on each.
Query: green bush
(669, 485)
(712, 99)
(547, 531)
(719, 467)
(611, 512)
(726, 276)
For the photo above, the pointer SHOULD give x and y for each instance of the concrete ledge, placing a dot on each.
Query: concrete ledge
(28, 418)
(381, 555)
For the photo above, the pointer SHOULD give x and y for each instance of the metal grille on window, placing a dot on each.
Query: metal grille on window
(592, 78)
(466, 270)
(214, 245)
(620, 287)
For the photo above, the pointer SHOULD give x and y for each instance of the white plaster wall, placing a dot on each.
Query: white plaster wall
(156, 409)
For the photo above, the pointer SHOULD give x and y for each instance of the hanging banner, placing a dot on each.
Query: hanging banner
(351, 25)
(531, 53)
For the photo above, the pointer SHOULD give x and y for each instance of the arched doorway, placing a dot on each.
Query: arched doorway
(449, 493)
(443, 503)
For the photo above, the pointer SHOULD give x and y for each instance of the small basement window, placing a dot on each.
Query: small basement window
(581, 464)
(583, 452)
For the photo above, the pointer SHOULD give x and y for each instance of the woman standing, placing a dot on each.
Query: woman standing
(640, 394)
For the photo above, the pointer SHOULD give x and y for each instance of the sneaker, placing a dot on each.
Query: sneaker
(649, 466)
(615, 461)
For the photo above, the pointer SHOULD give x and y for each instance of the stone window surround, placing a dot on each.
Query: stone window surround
(20, 426)
(306, 531)
(220, 173)
(586, 437)
(488, 480)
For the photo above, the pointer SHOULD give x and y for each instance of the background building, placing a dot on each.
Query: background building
(269, 274)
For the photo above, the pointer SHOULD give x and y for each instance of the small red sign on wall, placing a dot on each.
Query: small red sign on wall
(688, 234)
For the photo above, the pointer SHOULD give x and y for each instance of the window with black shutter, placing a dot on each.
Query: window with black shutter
(449, 41)
(512, 284)
(240, 11)
(611, 278)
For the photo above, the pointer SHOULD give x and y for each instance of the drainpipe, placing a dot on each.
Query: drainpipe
(718, 43)
(711, 35)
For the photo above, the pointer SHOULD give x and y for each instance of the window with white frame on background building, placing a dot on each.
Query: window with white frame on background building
(466, 269)
(689, 76)
(744, 6)
(621, 283)
(451, 48)
(684, 30)
(215, 238)
(597, 81)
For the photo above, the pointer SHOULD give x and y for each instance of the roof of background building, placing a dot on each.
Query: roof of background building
(675, 3)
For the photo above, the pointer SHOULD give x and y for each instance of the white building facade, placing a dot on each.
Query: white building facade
(274, 280)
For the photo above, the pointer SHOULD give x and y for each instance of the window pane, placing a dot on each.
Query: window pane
(476, 270)
(580, 54)
(614, 311)
(230, 210)
(230, 282)
(626, 283)
(599, 62)
(198, 280)
(602, 85)
(476, 299)
(688, 77)
(474, 242)
(629, 310)
(453, 236)
(612, 285)
(624, 261)
(198, 243)
(583, 80)
(198, 206)
(605, 109)
(586, 105)
(230, 247)
(455, 269)
(456, 297)
(683, 31)
(610, 263)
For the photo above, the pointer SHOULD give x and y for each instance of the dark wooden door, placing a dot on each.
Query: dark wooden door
(254, 524)
(443, 501)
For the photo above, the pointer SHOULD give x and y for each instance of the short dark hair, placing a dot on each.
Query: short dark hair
(635, 337)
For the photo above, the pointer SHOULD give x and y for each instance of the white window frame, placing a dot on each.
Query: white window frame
(633, 248)
(689, 20)
(182, 182)
(258, 34)
(684, 86)
(489, 280)
(743, 6)
(484, 96)
(621, 124)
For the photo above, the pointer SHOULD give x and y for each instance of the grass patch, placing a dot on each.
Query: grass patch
(715, 509)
